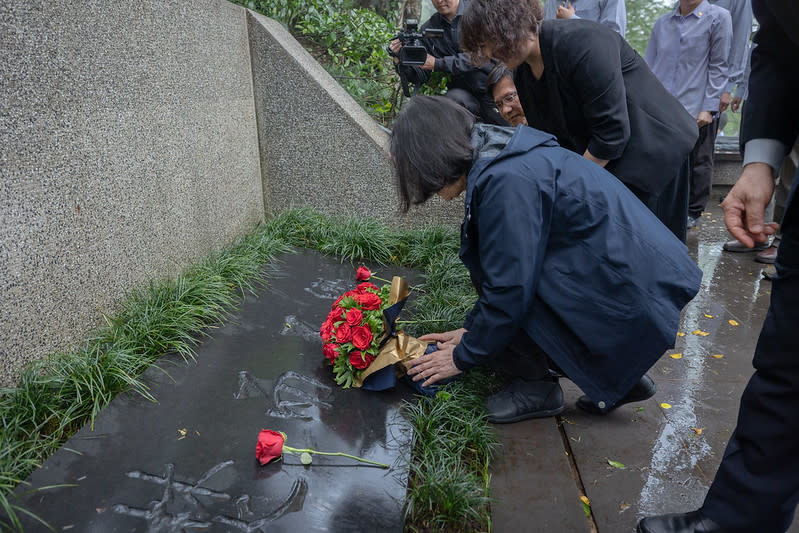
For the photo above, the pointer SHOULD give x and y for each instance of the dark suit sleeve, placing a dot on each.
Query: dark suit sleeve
(512, 226)
(772, 108)
(592, 67)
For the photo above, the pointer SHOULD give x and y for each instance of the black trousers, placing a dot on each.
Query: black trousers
(671, 205)
(757, 485)
(702, 168)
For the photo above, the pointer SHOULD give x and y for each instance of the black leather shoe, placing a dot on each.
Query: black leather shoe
(693, 522)
(643, 390)
(525, 399)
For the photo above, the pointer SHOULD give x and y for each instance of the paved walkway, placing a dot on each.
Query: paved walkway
(669, 454)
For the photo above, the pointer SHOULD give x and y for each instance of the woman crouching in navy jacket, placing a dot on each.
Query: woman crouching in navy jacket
(573, 272)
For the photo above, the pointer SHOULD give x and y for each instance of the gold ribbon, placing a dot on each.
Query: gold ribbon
(400, 349)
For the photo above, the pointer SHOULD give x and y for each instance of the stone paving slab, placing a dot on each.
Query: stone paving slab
(187, 463)
(531, 478)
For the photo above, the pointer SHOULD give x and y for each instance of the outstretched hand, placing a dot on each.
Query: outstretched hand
(745, 204)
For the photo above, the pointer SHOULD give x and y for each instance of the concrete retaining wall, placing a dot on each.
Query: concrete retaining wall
(318, 147)
(128, 149)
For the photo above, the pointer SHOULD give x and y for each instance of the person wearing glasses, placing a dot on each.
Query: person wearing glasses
(505, 95)
(582, 82)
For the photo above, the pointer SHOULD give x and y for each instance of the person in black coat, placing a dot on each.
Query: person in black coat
(582, 82)
(756, 487)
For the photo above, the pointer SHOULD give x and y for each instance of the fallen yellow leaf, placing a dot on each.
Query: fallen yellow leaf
(698, 431)
(665, 405)
(585, 500)
(709, 316)
(733, 322)
(624, 506)
(717, 356)
(680, 334)
(676, 356)
(701, 333)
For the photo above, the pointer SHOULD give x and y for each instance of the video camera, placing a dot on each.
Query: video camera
(413, 53)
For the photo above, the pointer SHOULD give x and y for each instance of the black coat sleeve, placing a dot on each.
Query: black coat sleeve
(591, 67)
(772, 108)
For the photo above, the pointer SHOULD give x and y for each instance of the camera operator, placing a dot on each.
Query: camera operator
(467, 85)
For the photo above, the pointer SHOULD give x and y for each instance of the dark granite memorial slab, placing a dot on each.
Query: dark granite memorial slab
(187, 462)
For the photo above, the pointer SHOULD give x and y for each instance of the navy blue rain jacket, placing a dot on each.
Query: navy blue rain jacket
(560, 248)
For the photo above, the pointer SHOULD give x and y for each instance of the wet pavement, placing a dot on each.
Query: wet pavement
(671, 444)
(187, 463)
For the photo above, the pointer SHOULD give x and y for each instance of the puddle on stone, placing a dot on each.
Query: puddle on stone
(187, 462)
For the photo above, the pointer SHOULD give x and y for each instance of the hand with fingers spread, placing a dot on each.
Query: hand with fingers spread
(746, 202)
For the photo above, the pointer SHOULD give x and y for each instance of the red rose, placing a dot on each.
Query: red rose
(354, 317)
(336, 314)
(269, 446)
(360, 360)
(361, 337)
(326, 330)
(366, 285)
(331, 351)
(362, 274)
(335, 304)
(369, 301)
(343, 333)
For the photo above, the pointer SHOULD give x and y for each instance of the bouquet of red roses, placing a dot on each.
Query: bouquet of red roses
(359, 337)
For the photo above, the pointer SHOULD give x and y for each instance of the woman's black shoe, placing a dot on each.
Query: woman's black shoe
(693, 522)
(525, 399)
(643, 390)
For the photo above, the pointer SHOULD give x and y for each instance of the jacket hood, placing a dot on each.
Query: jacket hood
(492, 143)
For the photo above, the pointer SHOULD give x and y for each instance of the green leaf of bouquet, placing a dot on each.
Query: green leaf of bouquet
(305, 458)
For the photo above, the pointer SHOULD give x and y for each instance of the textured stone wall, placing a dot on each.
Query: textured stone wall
(128, 149)
(318, 146)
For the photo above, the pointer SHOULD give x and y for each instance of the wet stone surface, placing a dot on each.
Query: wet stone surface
(187, 462)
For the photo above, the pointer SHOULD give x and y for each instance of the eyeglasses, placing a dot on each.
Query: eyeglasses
(507, 99)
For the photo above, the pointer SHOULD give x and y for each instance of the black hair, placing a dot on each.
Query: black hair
(499, 72)
(431, 147)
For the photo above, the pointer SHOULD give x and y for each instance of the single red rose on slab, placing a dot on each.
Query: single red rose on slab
(331, 351)
(269, 446)
(361, 337)
(363, 273)
(343, 333)
(368, 300)
(354, 317)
